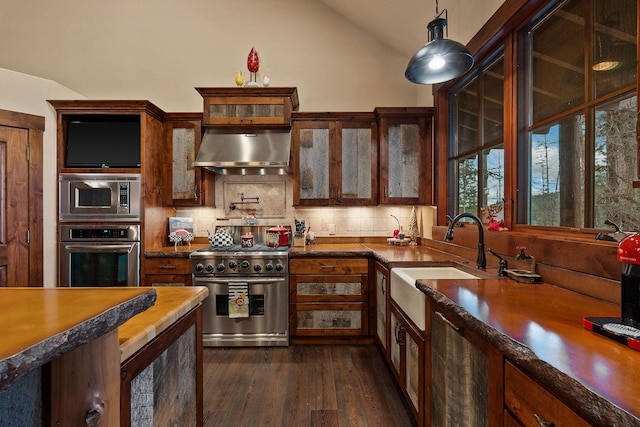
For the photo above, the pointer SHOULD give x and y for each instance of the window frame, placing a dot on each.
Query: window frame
(503, 29)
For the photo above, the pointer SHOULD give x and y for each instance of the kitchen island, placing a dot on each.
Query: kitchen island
(62, 348)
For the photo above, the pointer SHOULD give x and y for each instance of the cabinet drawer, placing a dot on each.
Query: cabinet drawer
(166, 280)
(526, 399)
(329, 266)
(336, 288)
(346, 319)
(166, 266)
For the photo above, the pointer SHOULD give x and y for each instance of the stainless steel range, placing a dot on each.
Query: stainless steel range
(248, 302)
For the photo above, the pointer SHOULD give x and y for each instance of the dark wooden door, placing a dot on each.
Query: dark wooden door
(14, 207)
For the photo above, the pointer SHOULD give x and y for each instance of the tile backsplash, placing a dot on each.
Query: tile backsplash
(275, 207)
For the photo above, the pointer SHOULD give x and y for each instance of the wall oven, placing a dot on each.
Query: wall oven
(99, 197)
(99, 255)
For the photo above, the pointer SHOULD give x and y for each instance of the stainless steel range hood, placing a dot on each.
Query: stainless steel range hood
(260, 152)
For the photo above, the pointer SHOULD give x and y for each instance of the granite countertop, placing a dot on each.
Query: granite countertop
(172, 303)
(45, 323)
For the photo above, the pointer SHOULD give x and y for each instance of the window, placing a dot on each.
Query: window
(575, 94)
(477, 158)
(580, 117)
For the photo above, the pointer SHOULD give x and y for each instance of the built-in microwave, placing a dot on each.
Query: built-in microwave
(99, 197)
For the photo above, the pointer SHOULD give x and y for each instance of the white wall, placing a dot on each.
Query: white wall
(161, 50)
(28, 94)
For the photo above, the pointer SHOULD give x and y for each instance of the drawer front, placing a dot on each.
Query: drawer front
(347, 319)
(531, 403)
(336, 288)
(166, 266)
(328, 266)
(166, 280)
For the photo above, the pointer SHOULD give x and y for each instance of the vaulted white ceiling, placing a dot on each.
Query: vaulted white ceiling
(402, 24)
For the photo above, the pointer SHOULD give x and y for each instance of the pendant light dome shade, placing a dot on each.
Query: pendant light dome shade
(440, 59)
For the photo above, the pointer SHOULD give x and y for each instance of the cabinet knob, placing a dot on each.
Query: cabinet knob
(94, 413)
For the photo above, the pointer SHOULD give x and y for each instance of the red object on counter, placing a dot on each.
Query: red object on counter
(253, 61)
(278, 236)
(629, 249)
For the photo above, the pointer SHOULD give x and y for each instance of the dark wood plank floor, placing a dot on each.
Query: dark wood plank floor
(300, 386)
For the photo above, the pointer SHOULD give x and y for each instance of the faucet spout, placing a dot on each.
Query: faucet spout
(481, 261)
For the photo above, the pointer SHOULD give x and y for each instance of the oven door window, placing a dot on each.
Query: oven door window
(256, 305)
(99, 269)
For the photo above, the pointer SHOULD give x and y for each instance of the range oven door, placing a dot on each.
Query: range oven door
(99, 264)
(268, 320)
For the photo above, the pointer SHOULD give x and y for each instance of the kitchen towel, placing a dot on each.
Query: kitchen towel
(238, 299)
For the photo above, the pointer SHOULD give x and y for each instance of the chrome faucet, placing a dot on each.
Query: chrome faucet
(481, 262)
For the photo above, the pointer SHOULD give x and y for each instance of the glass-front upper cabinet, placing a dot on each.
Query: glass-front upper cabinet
(406, 169)
(334, 159)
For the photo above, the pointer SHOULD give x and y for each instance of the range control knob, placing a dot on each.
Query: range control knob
(208, 268)
(245, 264)
(279, 267)
(199, 268)
(257, 268)
(268, 267)
(220, 267)
(233, 264)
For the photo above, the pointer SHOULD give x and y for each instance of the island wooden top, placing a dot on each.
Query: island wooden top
(172, 303)
(40, 324)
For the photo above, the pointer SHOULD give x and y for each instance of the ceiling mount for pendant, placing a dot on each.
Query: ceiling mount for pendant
(440, 59)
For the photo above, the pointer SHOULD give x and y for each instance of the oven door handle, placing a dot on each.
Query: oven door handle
(250, 281)
(101, 248)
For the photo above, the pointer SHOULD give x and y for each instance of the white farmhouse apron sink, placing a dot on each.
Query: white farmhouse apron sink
(411, 299)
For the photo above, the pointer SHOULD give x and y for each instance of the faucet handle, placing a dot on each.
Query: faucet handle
(502, 263)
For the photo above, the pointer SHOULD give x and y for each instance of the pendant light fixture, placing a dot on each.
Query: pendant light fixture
(440, 59)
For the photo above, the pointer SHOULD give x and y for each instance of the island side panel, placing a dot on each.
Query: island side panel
(85, 384)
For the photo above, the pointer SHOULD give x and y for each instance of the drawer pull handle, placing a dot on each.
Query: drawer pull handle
(332, 267)
(167, 267)
(398, 329)
(448, 322)
(383, 284)
(544, 423)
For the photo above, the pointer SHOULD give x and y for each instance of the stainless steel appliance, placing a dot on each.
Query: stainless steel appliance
(99, 255)
(260, 270)
(99, 197)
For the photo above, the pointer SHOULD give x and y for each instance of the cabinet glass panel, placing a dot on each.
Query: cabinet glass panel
(314, 163)
(221, 111)
(338, 288)
(356, 163)
(329, 319)
(184, 173)
(403, 160)
(395, 342)
(459, 378)
(412, 369)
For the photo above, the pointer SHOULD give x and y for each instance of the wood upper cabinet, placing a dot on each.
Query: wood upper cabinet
(242, 106)
(406, 155)
(186, 184)
(334, 159)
